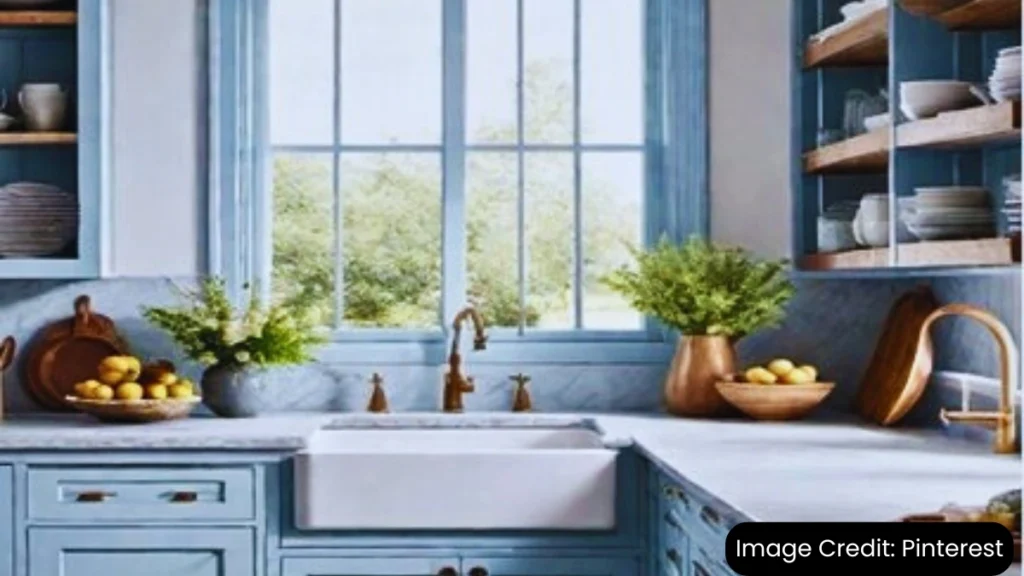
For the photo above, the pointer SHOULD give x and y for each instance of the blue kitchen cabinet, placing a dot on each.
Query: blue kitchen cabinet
(388, 566)
(141, 552)
(6, 522)
(525, 565)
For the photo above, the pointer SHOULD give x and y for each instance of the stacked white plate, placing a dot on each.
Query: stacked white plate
(949, 213)
(36, 220)
(1004, 83)
(1011, 204)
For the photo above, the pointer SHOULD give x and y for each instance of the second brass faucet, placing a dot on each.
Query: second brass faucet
(456, 382)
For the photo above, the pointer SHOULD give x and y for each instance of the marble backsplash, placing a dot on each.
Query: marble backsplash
(832, 323)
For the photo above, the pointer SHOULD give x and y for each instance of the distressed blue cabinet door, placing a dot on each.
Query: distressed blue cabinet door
(370, 567)
(555, 566)
(141, 552)
(6, 522)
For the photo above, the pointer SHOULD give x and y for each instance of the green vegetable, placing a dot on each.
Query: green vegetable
(211, 331)
(700, 288)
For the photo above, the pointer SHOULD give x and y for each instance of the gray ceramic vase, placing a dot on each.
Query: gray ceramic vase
(243, 392)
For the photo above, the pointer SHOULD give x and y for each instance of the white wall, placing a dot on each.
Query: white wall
(157, 173)
(750, 124)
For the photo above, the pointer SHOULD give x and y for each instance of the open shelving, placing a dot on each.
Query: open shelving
(970, 147)
(983, 125)
(37, 138)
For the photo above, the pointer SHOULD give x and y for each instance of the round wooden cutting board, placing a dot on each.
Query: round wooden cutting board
(68, 352)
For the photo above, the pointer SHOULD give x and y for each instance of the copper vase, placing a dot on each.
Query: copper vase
(700, 361)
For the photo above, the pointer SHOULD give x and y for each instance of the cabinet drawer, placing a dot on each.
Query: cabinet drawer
(703, 521)
(141, 494)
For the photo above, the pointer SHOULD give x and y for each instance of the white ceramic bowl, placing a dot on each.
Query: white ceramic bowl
(927, 98)
(877, 122)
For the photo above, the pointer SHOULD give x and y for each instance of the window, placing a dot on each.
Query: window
(393, 160)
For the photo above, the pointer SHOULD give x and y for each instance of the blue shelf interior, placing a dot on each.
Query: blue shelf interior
(920, 48)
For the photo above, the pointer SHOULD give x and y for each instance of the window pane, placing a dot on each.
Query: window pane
(392, 239)
(301, 72)
(303, 232)
(391, 71)
(548, 70)
(612, 75)
(491, 71)
(492, 237)
(613, 190)
(550, 239)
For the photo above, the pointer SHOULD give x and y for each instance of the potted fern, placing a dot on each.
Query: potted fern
(711, 295)
(240, 347)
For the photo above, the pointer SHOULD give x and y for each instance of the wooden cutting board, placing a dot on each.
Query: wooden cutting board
(67, 352)
(893, 382)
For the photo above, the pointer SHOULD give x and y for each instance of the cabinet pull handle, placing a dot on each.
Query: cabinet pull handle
(673, 556)
(478, 571)
(672, 519)
(447, 571)
(677, 494)
(184, 497)
(699, 570)
(95, 496)
(710, 517)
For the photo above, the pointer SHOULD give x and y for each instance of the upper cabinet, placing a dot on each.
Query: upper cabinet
(51, 139)
(907, 140)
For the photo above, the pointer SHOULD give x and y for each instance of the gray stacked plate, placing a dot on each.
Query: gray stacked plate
(949, 213)
(36, 220)
(1011, 203)
(1004, 83)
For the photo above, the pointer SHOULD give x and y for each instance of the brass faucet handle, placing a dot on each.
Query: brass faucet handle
(378, 400)
(521, 401)
(520, 379)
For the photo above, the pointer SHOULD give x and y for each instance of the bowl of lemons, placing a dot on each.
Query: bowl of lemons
(780, 390)
(126, 390)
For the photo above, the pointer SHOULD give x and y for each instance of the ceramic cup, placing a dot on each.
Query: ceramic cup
(45, 106)
(874, 207)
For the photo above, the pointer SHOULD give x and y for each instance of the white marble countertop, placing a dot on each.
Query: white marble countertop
(787, 472)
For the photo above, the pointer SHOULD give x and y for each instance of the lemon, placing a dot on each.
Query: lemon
(180, 390)
(103, 392)
(798, 376)
(86, 389)
(780, 367)
(156, 391)
(129, 391)
(810, 370)
(759, 375)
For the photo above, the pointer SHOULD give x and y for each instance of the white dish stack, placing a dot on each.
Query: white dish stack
(949, 213)
(1004, 83)
(1011, 204)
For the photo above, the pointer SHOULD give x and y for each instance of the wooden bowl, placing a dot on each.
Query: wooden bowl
(135, 411)
(775, 401)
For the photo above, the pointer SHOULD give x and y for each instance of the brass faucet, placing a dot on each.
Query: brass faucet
(456, 383)
(378, 400)
(521, 397)
(1004, 419)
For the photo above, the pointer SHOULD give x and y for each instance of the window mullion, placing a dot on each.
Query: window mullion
(577, 201)
(454, 282)
(656, 183)
(521, 164)
(339, 208)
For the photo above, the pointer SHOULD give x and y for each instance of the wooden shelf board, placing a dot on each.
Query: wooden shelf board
(983, 15)
(980, 125)
(870, 152)
(36, 138)
(864, 43)
(38, 18)
(986, 252)
(865, 153)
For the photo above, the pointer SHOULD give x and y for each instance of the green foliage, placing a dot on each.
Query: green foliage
(211, 331)
(391, 213)
(699, 288)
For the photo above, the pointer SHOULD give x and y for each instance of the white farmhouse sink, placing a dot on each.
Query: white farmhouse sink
(455, 479)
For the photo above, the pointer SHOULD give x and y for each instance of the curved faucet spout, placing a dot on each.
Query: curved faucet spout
(455, 382)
